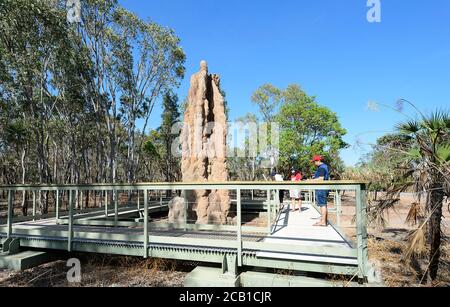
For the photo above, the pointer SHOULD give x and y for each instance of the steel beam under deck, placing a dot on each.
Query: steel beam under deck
(209, 247)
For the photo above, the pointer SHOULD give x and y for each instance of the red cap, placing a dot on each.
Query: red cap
(317, 159)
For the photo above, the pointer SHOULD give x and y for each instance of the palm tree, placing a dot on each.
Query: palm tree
(427, 172)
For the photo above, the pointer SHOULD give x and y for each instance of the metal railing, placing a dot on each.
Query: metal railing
(240, 246)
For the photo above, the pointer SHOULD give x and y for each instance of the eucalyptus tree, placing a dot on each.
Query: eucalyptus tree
(170, 119)
(306, 128)
(244, 160)
(36, 50)
(134, 62)
(268, 99)
(75, 99)
(148, 60)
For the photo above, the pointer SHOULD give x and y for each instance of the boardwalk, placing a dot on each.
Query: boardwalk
(290, 228)
(297, 229)
(292, 244)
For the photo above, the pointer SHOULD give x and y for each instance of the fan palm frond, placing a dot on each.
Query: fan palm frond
(447, 122)
(409, 127)
(414, 153)
(436, 121)
(443, 153)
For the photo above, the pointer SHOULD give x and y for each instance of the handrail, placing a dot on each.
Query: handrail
(163, 185)
(334, 182)
(272, 189)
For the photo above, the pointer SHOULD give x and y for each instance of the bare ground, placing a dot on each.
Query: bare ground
(102, 271)
(388, 245)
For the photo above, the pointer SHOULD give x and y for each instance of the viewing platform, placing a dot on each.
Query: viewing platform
(281, 240)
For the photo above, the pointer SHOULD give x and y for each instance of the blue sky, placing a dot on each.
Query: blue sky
(328, 47)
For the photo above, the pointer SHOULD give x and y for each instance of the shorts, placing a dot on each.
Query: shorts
(322, 198)
(295, 194)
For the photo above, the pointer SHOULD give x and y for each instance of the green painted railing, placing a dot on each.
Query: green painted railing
(239, 245)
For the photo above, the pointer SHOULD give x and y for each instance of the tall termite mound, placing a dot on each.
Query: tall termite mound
(203, 140)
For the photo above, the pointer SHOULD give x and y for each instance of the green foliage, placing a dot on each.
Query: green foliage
(16, 132)
(382, 167)
(415, 159)
(163, 140)
(267, 98)
(71, 94)
(170, 115)
(243, 165)
(151, 149)
(308, 129)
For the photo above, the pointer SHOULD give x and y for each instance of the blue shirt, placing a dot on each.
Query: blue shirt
(322, 171)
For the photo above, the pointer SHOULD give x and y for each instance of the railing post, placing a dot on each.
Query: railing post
(186, 211)
(277, 201)
(34, 205)
(361, 231)
(338, 208)
(106, 196)
(269, 224)
(116, 207)
(138, 203)
(145, 223)
(80, 199)
(239, 227)
(57, 205)
(70, 232)
(10, 213)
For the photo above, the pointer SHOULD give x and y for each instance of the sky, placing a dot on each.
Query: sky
(328, 47)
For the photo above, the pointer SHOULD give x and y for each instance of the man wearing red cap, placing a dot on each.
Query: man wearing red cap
(322, 174)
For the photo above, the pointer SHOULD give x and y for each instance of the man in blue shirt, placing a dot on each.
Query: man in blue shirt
(322, 174)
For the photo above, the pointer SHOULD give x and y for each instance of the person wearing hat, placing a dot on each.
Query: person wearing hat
(296, 176)
(322, 174)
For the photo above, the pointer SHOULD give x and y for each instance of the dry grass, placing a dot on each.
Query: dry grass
(390, 257)
(104, 271)
(416, 244)
(107, 271)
